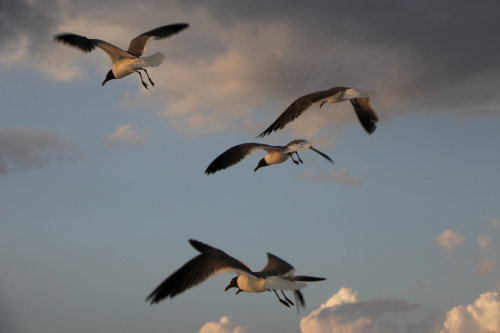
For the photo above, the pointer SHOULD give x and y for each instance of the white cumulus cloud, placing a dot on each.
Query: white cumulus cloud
(449, 240)
(345, 313)
(128, 136)
(223, 326)
(483, 316)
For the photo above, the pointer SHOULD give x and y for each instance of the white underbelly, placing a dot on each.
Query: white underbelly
(125, 67)
(276, 158)
(251, 285)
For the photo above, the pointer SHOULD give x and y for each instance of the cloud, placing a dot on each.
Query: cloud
(25, 148)
(448, 240)
(494, 221)
(483, 316)
(486, 266)
(341, 176)
(126, 135)
(223, 326)
(483, 242)
(345, 313)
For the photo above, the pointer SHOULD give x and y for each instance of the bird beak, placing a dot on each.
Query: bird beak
(258, 166)
(239, 291)
(105, 80)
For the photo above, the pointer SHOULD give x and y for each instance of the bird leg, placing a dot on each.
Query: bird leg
(299, 157)
(152, 83)
(286, 298)
(143, 83)
(281, 301)
(294, 161)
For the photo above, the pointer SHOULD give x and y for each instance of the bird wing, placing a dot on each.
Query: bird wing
(88, 45)
(366, 115)
(322, 154)
(276, 267)
(211, 262)
(299, 106)
(235, 154)
(139, 44)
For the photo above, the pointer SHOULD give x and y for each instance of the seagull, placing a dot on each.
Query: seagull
(359, 99)
(125, 62)
(276, 275)
(275, 154)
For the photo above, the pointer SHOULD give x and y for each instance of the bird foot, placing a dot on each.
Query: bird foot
(294, 161)
(145, 84)
(152, 83)
(284, 303)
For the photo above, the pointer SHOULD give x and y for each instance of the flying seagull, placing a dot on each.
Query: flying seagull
(275, 154)
(125, 62)
(359, 99)
(276, 275)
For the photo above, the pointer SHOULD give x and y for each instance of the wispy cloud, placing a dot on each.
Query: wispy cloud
(483, 242)
(483, 316)
(494, 221)
(449, 240)
(486, 266)
(341, 176)
(126, 135)
(223, 326)
(25, 148)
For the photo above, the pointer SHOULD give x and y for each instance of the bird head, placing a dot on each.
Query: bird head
(233, 284)
(262, 163)
(109, 76)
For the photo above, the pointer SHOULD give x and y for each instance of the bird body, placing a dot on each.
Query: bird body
(275, 154)
(359, 99)
(251, 284)
(125, 62)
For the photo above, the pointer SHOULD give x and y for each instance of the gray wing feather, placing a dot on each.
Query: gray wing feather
(139, 44)
(234, 155)
(322, 154)
(211, 262)
(366, 115)
(299, 106)
(275, 266)
(88, 45)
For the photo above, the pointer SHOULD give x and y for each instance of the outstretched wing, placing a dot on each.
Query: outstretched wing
(211, 262)
(139, 44)
(299, 106)
(276, 267)
(366, 115)
(234, 155)
(88, 45)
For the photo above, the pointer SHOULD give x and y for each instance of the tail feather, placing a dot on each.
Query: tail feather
(153, 60)
(308, 278)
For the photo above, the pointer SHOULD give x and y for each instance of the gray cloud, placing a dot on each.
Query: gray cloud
(34, 19)
(26, 148)
(238, 57)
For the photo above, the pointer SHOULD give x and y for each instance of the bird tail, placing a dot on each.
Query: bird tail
(308, 278)
(153, 60)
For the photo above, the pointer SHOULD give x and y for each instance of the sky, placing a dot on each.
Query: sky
(101, 187)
